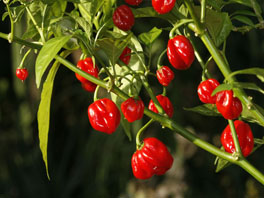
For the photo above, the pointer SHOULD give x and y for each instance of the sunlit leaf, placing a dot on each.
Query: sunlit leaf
(149, 37)
(47, 54)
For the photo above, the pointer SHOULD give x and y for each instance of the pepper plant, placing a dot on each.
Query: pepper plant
(117, 59)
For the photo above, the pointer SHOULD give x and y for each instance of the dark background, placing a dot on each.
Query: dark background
(86, 163)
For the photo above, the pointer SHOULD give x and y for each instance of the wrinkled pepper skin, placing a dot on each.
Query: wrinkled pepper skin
(229, 106)
(206, 88)
(126, 55)
(133, 109)
(133, 2)
(123, 18)
(152, 159)
(22, 73)
(163, 6)
(165, 75)
(87, 66)
(245, 138)
(180, 52)
(165, 104)
(104, 115)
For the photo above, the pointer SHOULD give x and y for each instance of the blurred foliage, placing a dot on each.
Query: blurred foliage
(85, 163)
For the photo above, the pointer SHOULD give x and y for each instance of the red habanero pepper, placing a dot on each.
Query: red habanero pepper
(205, 90)
(229, 106)
(180, 52)
(165, 104)
(163, 6)
(88, 66)
(165, 75)
(245, 138)
(133, 109)
(123, 18)
(22, 73)
(104, 115)
(133, 2)
(152, 159)
(126, 55)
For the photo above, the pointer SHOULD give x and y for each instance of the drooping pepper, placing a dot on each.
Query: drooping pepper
(104, 115)
(205, 90)
(165, 75)
(163, 6)
(165, 104)
(123, 18)
(152, 159)
(229, 106)
(245, 138)
(180, 52)
(22, 73)
(133, 109)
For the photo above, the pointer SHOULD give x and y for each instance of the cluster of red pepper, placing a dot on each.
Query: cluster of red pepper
(153, 157)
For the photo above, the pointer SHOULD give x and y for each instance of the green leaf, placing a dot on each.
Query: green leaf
(248, 114)
(47, 54)
(244, 20)
(218, 24)
(259, 72)
(222, 87)
(221, 163)
(245, 85)
(206, 109)
(113, 47)
(149, 37)
(216, 4)
(244, 12)
(44, 110)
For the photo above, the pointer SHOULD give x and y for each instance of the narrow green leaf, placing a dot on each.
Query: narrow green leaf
(221, 163)
(47, 54)
(222, 87)
(206, 109)
(149, 37)
(244, 12)
(244, 20)
(248, 114)
(44, 110)
(251, 86)
(259, 72)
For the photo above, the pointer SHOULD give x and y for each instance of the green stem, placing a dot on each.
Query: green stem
(11, 34)
(160, 57)
(24, 58)
(235, 138)
(139, 133)
(203, 11)
(35, 24)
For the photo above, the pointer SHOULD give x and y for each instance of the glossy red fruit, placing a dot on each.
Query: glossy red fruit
(205, 90)
(104, 115)
(245, 138)
(163, 6)
(229, 106)
(126, 55)
(133, 2)
(133, 109)
(165, 75)
(123, 18)
(180, 52)
(165, 103)
(152, 159)
(87, 66)
(22, 73)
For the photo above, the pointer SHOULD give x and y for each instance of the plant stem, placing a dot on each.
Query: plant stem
(139, 133)
(234, 136)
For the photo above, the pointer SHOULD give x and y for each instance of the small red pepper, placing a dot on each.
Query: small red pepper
(133, 109)
(165, 104)
(180, 52)
(205, 90)
(133, 2)
(152, 159)
(123, 18)
(165, 75)
(163, 6)
(22, 73)
(88, 66)
(126, 55)
(104, 115)
(229, 106)
(245, 138)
